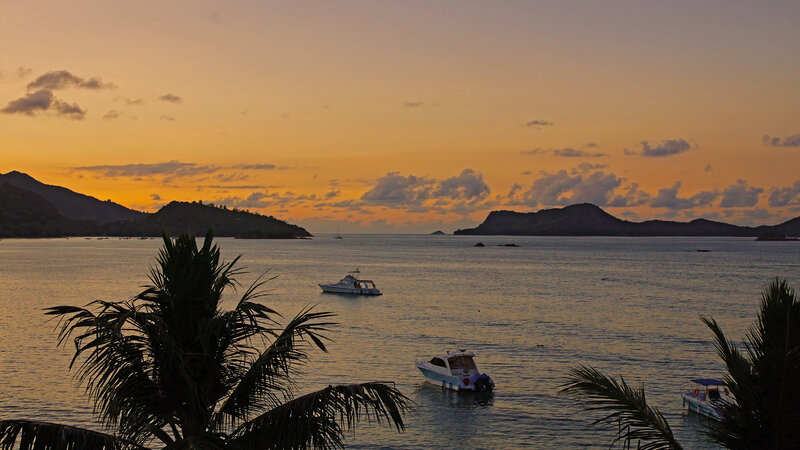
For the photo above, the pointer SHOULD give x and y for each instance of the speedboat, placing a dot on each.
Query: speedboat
(351, 284)
(456, 371)
(706, 397)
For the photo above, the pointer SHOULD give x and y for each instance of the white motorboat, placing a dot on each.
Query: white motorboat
(456, 371)
(351, 284)
(706, 397)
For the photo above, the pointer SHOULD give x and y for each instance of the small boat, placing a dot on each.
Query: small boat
(350, 284)
(456, 371)
(706, 397)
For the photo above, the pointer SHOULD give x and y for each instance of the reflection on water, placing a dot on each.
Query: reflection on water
(452, 399)
(628, 306)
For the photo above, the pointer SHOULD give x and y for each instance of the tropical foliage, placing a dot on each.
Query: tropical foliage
(170, 367)
(763, 375)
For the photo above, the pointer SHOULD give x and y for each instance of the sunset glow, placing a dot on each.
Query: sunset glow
(409, 116)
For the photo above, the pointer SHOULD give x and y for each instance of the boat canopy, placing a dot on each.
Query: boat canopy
(708, 382)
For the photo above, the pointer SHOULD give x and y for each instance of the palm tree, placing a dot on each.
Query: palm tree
(170, 366)
(763, 375)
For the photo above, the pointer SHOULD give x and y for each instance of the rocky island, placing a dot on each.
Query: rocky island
(586, 219)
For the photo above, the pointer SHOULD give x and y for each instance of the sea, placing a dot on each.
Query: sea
(629, 306)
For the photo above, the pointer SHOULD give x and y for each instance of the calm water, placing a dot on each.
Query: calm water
(628, 306)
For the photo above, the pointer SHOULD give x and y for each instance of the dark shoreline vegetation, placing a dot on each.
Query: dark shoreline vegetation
(586, 219)
(762, 375)
(171, 366)
(29, 208)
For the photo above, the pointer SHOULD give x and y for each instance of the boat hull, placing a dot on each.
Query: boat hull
(701, 407)
(456, 383)
(348, 290)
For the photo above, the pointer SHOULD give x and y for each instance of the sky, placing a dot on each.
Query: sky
(409, 116)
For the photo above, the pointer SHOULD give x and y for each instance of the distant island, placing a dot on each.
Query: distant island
(438, 232)
(586, 219)
(29, 208)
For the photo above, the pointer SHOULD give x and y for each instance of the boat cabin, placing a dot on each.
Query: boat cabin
(457, 363)
(709, 389)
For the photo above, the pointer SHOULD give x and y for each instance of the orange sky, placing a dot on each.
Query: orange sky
(409, 116)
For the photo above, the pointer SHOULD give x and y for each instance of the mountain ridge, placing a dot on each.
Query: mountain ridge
(36, 212)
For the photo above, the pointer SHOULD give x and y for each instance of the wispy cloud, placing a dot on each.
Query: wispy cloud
(566, 152)
(112, 114)
(266, 166)
(171, 98)
(130, 101)
(570, 152)
(413, 104)
(537, 124)
(171, 168)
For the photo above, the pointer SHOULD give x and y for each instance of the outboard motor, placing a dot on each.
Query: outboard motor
(483, 383)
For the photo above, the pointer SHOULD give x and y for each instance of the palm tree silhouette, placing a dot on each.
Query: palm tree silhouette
(170, 366)
(763, 375)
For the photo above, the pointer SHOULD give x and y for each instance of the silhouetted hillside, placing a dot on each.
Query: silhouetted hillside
(178, 217)
(589, 220)
(71, 204)
(24, 213)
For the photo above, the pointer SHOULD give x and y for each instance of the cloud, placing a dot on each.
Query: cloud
(256, 166)
(171, 168)
(113, 114)
(665, 148)
(413, 104)
(668, 198)
(740, 194)
(167, 118)
(62, 79)
(560, 188)
(537, 124)
(633, 197)
(788, 141)
(23, 72)
(468, 185)
(129, 101)
(586, 167)
(783, 196)
(225, 187)
(155, 197)
(332, 194)
(398, 190)
(570, 152)
(44, 100)
(708, 168)
(567, 152)
(171, 98)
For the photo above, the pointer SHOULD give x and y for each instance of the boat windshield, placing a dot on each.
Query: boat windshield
(464, 363)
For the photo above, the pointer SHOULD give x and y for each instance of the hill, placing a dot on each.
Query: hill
(194, 217)
(29, 208)
(25, 213)
(70, 204)
(589, 220)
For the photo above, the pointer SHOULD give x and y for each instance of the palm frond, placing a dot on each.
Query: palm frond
(29, 434)
(764, 378)
(319, 419)
(623, 406)
(271, 373)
